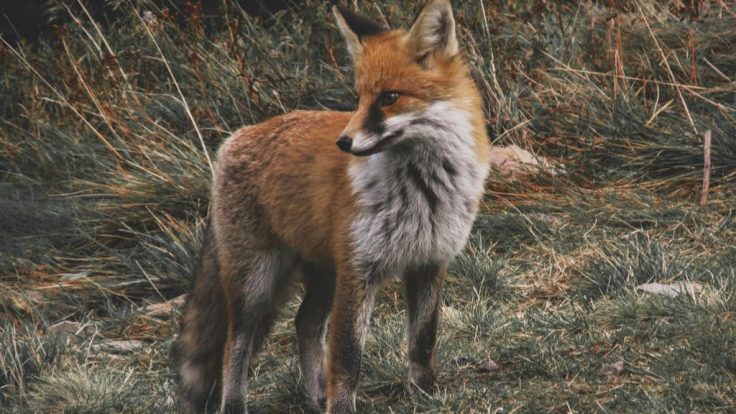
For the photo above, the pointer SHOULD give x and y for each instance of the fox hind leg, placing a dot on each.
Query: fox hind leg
(259, 277)
(311, 321)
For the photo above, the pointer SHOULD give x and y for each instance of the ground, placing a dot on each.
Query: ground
(106, 136)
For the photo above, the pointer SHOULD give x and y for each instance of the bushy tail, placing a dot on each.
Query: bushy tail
(197, 352)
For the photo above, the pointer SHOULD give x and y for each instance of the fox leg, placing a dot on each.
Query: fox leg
(351, 312)
(424, 296)
(311, 321)
(257, 280)
(263, 328)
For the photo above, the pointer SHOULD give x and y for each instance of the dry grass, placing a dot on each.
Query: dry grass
(104, 138)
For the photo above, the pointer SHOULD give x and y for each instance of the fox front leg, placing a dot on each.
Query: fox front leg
(351, 312)
(423, 289)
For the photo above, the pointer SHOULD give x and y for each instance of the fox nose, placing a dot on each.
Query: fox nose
(344, 143)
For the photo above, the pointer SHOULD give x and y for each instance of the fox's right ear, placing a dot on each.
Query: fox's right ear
(354, 28)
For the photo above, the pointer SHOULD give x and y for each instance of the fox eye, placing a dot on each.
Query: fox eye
(388, 98)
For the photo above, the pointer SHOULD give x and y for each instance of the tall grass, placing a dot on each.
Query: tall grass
(106, 137)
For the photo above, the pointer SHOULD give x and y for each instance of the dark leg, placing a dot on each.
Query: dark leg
(311, 321)
(250, 313)
(423, 296)
(351, 313)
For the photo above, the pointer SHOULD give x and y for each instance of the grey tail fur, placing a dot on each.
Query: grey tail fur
(197, 352)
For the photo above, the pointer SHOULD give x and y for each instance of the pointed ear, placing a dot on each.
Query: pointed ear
(354, 28)
(433, 32)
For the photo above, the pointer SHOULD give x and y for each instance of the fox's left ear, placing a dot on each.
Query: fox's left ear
(433, 32)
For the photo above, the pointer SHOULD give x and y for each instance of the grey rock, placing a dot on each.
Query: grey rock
(617, 368)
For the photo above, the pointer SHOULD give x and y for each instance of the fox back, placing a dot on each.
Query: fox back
(346, 200)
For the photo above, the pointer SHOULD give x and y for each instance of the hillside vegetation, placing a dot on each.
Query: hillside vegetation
(107, 133)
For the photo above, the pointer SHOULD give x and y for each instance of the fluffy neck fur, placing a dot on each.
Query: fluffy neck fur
(418, 199)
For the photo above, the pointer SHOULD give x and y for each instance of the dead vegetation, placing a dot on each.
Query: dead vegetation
(105, 140)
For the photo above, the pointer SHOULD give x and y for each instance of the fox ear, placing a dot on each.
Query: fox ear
(354, 28)
(433, 31)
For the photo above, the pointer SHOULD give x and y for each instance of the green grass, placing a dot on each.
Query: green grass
(104, 188)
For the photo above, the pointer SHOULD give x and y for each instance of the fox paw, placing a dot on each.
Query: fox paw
(425, 381)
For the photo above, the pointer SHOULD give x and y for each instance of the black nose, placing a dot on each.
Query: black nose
(344, 143)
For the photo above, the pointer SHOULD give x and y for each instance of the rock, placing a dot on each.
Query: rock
(122, 346)
(148, 17)
(66, 327)
(546, 218)
(73, 329)
(35, 296)
(74, 276)
(613, 369)
(488, 365)
(164, 308)
(514, 160)
(452, 316)
(671, 289)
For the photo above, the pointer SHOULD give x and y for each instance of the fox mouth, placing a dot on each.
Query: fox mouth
(380, 145)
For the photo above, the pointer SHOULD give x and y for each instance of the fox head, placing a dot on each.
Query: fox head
(404, 79)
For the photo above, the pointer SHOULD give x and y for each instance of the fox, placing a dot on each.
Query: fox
(342, 202)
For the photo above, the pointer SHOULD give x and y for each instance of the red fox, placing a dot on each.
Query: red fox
(396, 197)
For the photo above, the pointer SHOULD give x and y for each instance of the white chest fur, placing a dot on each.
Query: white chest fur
(417, 201)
